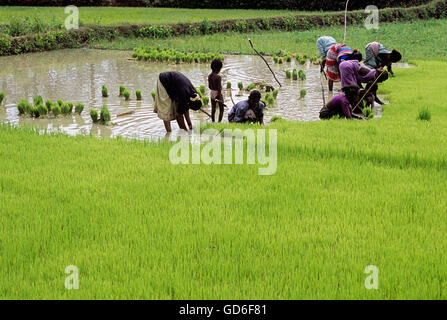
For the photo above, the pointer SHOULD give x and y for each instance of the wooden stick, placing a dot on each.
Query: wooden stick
(231, 96)
(346, 19)
(253, 47)
(125, 113)
(367, 91)
(205, 112)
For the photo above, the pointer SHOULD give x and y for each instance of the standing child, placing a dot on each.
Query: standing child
(215, 85)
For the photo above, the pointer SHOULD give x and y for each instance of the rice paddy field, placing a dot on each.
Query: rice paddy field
(346, 195)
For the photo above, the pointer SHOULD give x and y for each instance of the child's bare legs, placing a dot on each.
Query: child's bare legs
(331, 85)
(167, 126)
(221, 112)
(213, 111)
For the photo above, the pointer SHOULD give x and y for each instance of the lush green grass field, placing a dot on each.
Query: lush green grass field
(113, 16)
(346, 195)
(416, 40)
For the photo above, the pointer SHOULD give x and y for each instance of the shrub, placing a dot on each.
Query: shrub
(138, 94)
(56, 109)
(126, 94)
(2, 97)
(105, 91)
(79, 108)
(105, 114)
(94, 115)
(424, 114)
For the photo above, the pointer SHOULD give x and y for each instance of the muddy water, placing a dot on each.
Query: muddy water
(78, 75)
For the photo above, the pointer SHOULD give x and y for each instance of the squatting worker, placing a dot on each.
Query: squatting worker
(251, 110)
(324, 44)
(175, 95)
(377, 56)
(341, 105)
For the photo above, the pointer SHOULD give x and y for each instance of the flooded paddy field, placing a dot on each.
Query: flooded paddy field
(78, 75)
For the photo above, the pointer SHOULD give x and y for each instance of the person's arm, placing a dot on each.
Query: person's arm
(368, 77)
(323, 64)
(260, 114)
(240, 113)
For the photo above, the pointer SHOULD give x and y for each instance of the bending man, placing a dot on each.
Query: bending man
(175, 95)
(251, 110)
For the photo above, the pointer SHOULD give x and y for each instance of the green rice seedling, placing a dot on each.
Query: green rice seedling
(228, 85)
(275, 93)
(70, 107)
(303, 94)
(35, 112)
(79, 108)
(424, 114)
(42, 109)
(251, 87)
(24, 106)
(288, 74)
(153, 94)
(126, 94)
(368, 113)
(275, 59)
(37, 100)
(240, 85)
(49, 103)
(202, 89)
(295, 74)
(2, 97)
(280, 60)
(60, 102)
(65, 109)
(269, 99)
(122, 89)
(105, 91)
(56, 109)
(289, 58)
(94, 115)
(138, 94)
(276, 119)
(105, 114)
(302, 75)
(199, 92)
(206, 101)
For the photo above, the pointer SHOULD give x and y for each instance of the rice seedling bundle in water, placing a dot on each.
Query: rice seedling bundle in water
(269, 99)
(126, 94)
(24, 107)
(37, 100)
(122, 89)
(251, 87)
(79, 108)
(228, 85)
(49, 104)
(60, 102)
(288, 74)
(206, 101)
(153, 95)
(138, 94)
(56, 109)
(65, 109)
(105, 114)
(302, 75)
(295, 74)
(94, 115)
(275, 93)
(240, 85)
(2, 97)
(303, 93)
(156, 54)
(105, 91)
(70, 107)
(42, 109)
